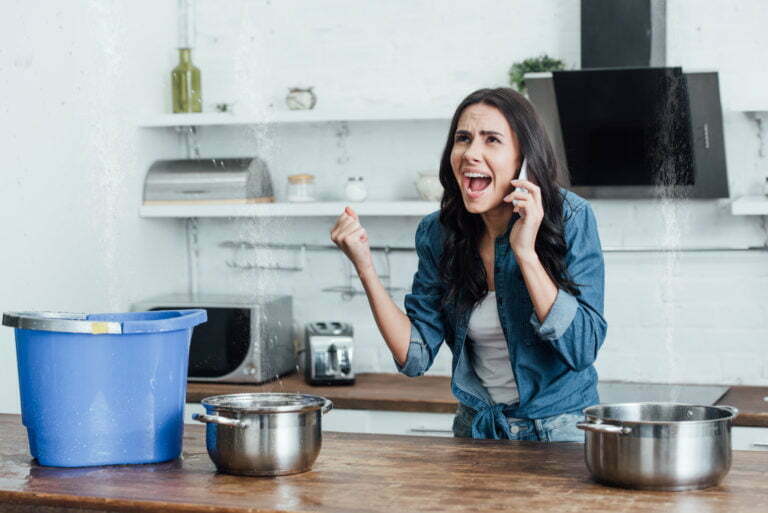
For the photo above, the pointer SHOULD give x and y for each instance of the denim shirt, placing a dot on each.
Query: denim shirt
(552, 360)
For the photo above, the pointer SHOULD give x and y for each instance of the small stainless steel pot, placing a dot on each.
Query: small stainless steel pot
(263, 434)
(658, 446)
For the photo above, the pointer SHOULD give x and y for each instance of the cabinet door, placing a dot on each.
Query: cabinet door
(389, 422)
(371, 421)
(749, 439)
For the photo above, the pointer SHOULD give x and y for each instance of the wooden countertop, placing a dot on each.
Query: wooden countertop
(394, 392)
(366, 474)
(432, 394)
(752, 403)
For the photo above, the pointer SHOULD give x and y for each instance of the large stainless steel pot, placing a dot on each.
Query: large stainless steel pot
(658, 446)
(263, 434)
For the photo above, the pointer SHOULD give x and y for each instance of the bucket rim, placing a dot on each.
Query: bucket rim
(105, 324)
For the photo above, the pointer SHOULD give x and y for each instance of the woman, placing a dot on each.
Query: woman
(510, 276)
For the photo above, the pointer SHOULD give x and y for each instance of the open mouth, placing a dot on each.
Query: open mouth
(475, 184)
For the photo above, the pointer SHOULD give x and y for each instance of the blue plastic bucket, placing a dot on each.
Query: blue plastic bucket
(103, 389)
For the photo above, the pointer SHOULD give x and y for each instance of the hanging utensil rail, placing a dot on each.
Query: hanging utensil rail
(242, 244)
(302, 248)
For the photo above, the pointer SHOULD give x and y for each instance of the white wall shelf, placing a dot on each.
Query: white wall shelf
(750, 206)
(744, 206)
(290, 116)
(750, 107)
(285, 209)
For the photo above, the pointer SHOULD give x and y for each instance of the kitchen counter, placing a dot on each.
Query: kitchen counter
(396, 392)
(391, 392)
(365, 473)
(752, 403)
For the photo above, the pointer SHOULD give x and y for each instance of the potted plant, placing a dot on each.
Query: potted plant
(533, 64)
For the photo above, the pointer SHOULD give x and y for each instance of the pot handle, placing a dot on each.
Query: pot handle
(327, 406)
(734, 411)
(604, 428)
(216, 419)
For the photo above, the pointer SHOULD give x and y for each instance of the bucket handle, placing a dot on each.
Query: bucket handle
(184, 319)
(216, 419)
(604, 428)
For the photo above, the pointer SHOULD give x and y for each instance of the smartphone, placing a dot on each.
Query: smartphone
(522, 176)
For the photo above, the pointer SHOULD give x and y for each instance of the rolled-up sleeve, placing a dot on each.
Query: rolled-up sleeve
(574, 326)
(422, 306)
(418, 360)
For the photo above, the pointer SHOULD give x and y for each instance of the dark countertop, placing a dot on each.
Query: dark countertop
(395, 392)
(752, 403)
(365, 474)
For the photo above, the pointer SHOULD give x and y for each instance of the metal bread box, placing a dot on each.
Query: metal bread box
(211, 181)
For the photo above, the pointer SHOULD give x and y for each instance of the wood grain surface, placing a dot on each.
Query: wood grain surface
(394, 392)
(752, 405)
(368, 474)
(432, 394)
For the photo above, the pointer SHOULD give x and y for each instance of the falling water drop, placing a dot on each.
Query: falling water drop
(670, 168)
(250, 70)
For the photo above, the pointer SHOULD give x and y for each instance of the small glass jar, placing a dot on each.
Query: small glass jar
(355, 189)
(299, 98)
(301, 187)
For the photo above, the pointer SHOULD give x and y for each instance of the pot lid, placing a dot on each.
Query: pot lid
(265, 402)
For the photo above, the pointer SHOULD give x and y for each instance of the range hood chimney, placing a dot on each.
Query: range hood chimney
(623, 33)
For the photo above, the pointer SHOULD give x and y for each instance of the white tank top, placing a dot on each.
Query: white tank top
(489, 353)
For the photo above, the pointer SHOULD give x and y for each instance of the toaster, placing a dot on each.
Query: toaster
(328, 353)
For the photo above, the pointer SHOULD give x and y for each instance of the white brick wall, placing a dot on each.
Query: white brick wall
(708, 325)
(697, 317)
(76, 81)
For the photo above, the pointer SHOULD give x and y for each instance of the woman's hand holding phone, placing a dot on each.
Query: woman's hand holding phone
(349, 235)
(526, 201)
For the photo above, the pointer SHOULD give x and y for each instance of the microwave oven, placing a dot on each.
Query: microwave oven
(247, 339)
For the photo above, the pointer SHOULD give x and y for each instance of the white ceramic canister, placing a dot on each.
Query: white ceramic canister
(429, 186)
(355, 189)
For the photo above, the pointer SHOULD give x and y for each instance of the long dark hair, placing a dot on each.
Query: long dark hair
(460, 265)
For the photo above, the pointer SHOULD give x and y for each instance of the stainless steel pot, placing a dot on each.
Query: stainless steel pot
(658, 446)
(263, 434)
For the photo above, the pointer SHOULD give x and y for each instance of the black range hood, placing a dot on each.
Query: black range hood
(632, 128)
(635, 132)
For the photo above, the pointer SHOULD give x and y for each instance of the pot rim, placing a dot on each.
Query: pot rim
(283, 402)
(730, 410)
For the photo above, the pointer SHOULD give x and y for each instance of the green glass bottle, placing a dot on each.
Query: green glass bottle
(185, 82)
